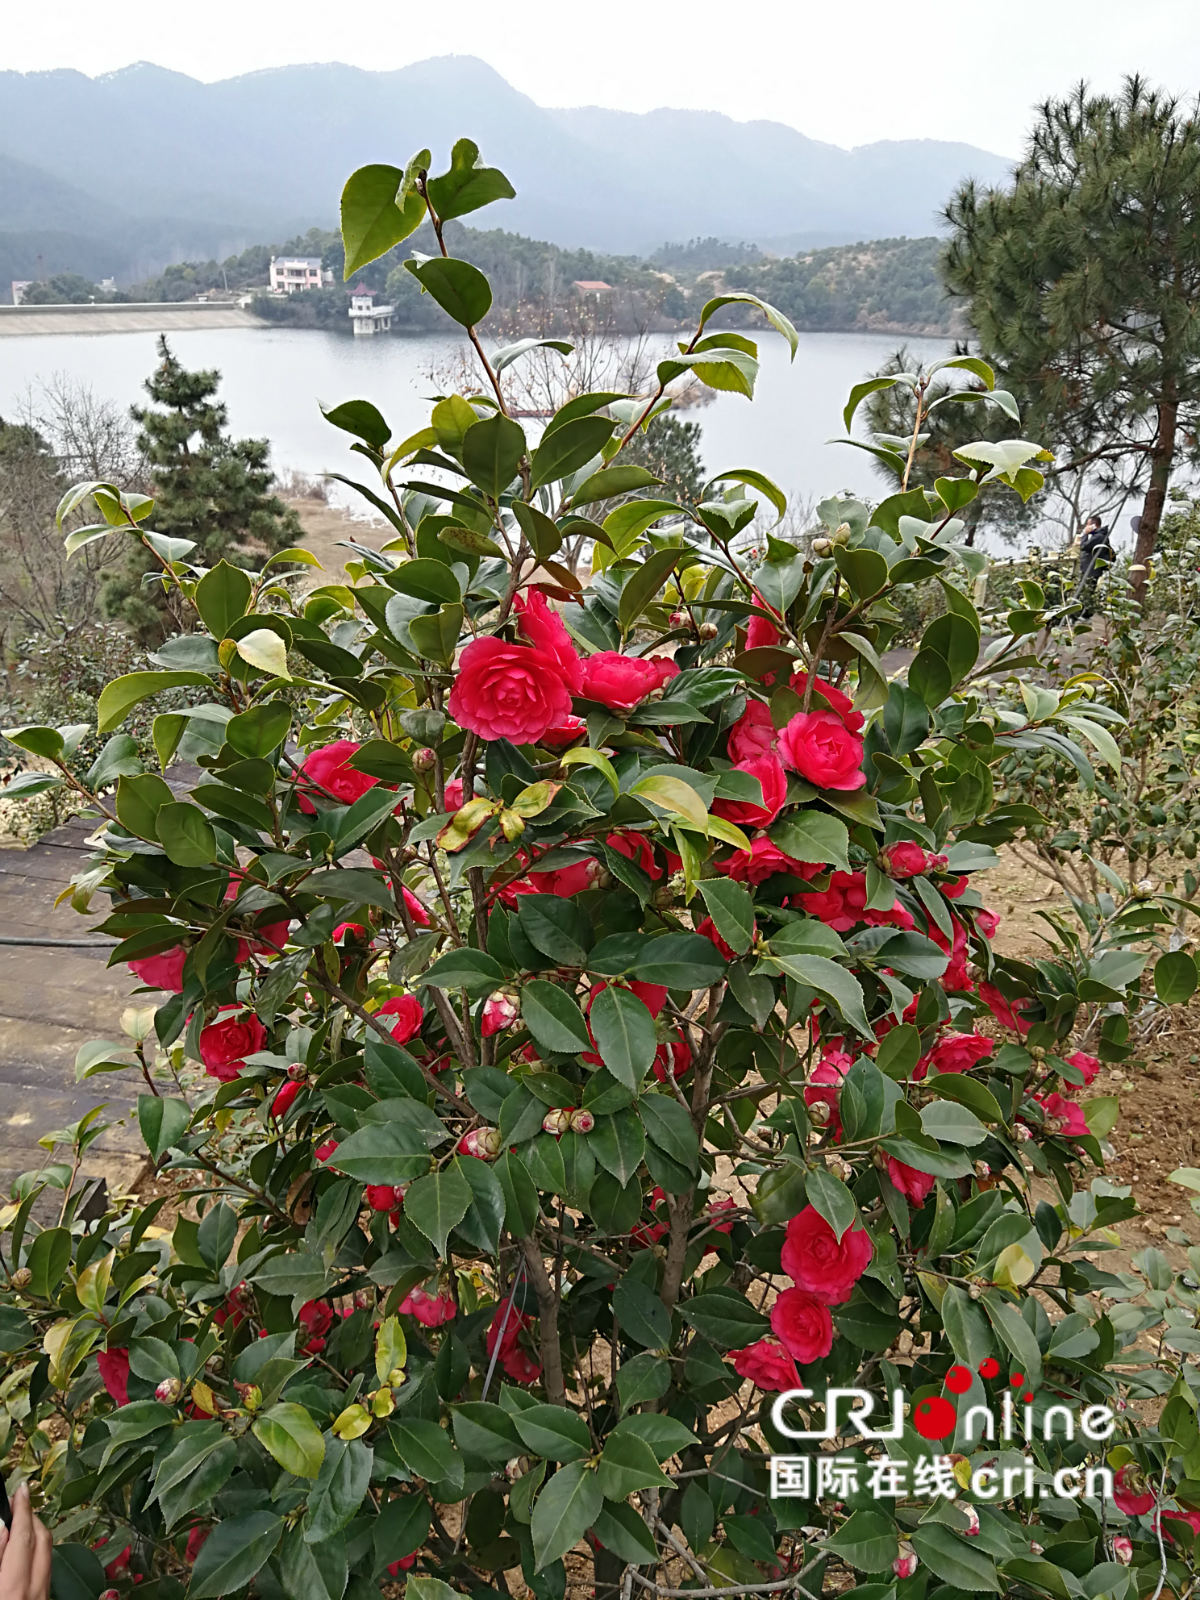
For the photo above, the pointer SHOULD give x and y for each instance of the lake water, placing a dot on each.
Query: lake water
(275, 379)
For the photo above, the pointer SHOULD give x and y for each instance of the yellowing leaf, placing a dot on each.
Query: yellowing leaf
(352, 1423)
(265, 650)
(674, 796)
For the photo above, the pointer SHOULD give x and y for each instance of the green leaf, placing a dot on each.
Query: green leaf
(233, 1552)
(568, 448)
(460, 289)
(725, 1318)
(641, 587)
(670, 1129)
(139, 800)
(618, 1143)
(384, 1153)
(814, 836)
(732, 910)
(868, 1540)
(186, 834)
(263, 648)
(626, 1465)
(314, 1571)
(340, 1489)
(952, 1123)
(437, 1203)
(553, 1432)
(641, 1314)
(553, 1018)
(831, 981)
(830, 1196)
(261, 729)
(675, 797)
(742, 297)
(374, 216)
(609, 482)
(555, 927)
(468, 184)
(681, 961)
(48, 1259)
(491, 453)
(222, 598)
(163, 1123)
(473, 970)
(1175, 977)
(624, 1034)
(287, 1432)
(563, 1512)
(619, 1529)
(118, 698)
(364, 420)
(954, 1559)
(507, 354)
(426, 1450)
(485, 1430)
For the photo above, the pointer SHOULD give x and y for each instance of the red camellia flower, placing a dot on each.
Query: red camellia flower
(415, 909)
(957, 1052)
(819, 746)
(763, 861)
(753, 734)
(817, 1260)
(546, 630)
(508, 691)
(454, 794)
(380, 1196)
(844, 904)
(325, 1150)
(767, 1364)
(1089, 1066)
(652, 995)
(567, 881)
(329, 776)
(772, 780)
(1006, 1012)
(825, 1085)
(834, 699)
(803, 1324)
(114, 1373)
(557, 737)
(407, 1010)
(708, 930)
(1130, 1492)
(285, 1097)
(638, 849)
(163, 971)
(761, 631)
(1063, 1116)
(195, 1543)
(906, 859)
(672, 1059)
(315, 1319)
(430, 1310)
(1182, 1519)
(505, 1331)
(987, 923)
(913, 1185)
(224, 1046)
(622, 682)
(401, 1564)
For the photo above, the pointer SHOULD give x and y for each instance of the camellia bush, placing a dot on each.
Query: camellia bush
(571, 1019)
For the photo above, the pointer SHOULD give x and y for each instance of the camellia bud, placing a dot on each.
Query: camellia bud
(841, 534)
(982, 1170)
(110, 1594)
(1122, 1549)
(364, 1299)
(423, 760)
(284, 1098)
(582, 1121)
(974, 1292)
(972, 1528)
(1023, 1132)
(1035, 1548)
(708, 630)
(679, 619)
(22, 1278)
(822, 547)
(485, 1143)
(251, 1395)
(819, 1114)
(381, 1196)
(905, 1563)
(297, 1072)
(168, 1391)
(557, 1121)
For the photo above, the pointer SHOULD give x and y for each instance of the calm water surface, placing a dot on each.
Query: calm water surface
(275, 379)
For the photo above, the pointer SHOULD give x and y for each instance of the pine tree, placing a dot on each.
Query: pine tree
(207, 487)
(670, 448)
(1083, 281)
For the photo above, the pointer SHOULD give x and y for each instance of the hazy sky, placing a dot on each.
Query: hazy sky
(847, 72)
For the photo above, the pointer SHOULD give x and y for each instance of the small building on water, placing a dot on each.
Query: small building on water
(365, 316)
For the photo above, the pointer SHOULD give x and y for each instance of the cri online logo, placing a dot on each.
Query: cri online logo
(936, 1417)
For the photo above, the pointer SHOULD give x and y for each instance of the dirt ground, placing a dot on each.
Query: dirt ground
(325, 525)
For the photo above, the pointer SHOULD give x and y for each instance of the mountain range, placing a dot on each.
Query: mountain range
(125, 172)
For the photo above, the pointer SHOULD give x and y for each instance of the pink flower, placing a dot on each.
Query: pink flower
(499, 1012)
(564, 733)
(430, 1310)
(638, 849)
(1131, 1493)
(760, 632)
(837, 702)
(454, 794)
(623, 682)
(163, 971)
(803, 1324)
(772, 780)
(763, 861)
(957, 1052)
(1089, 1066)
(508, 691)
(1122, 1549)
(409, 1015)
(905, 1563)
(844, 904)
(913, 1185)
(753, 734)
(415, 909)
(816, 1259)
(224, 1046)
(824, 1086)
(907, 859)
(987, 923)
(819, 746)
(766, 1364)
(546, 631)
(402, 1564)
(1063, 1116)
(484, 1144)
(114, 1373)
(328, 774)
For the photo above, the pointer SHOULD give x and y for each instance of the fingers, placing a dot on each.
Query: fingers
(39, 1581)
(20, 1538)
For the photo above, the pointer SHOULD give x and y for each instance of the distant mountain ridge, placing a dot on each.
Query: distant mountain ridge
(209, 167)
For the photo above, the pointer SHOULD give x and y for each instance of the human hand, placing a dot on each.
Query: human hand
(24, 1553)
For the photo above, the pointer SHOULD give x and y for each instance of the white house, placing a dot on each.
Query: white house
(293, 274)
(365, 316)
